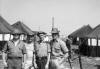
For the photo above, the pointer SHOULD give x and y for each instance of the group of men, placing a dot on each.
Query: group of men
(36, 53)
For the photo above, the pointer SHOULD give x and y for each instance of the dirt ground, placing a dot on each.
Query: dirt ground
(87, 62)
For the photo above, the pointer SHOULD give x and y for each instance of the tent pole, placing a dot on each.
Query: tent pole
(3, 37)
(97, 47)
(80, 56)
(52, 22)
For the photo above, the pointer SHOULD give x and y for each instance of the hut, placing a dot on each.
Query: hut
(79, 35)
(24, 29)
(5, 31)
(94, 42)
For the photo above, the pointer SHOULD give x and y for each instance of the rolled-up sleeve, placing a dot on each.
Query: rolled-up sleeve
(64, 47)
(5, 48)
(24, 49)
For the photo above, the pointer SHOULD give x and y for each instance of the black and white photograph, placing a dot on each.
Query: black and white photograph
(49, 34)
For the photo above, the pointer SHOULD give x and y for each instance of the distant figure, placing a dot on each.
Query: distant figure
(59, 51)
(68, 44)
(16, 52)
(29, 44)
(42, 52)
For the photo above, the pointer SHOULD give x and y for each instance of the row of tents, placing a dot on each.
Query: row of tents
(6, 29)
(88, 39)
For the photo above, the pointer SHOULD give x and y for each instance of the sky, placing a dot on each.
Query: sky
(69, 15)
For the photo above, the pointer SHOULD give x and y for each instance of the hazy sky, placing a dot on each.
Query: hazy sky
(69, 14)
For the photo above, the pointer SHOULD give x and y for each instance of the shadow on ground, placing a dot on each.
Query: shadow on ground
(98, 66)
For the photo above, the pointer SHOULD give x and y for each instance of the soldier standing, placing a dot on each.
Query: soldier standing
(29, 44)
(42, 53)
(16, 52)
(59, 51)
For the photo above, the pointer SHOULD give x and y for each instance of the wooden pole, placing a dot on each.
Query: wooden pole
(97, 48)
(0, 7)
(52, 22)
(80, 61)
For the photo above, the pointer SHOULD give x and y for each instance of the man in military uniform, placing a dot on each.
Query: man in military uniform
(42, 53)
(29, 44)
(59, 51)
(16, 52)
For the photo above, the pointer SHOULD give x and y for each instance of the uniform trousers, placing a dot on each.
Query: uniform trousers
(41, 62)
(14, 63)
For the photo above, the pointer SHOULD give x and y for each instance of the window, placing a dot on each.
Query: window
(99, 42)
(94, 42)
(77, 38)
(6, 37)
(1, 37)
(89, 42)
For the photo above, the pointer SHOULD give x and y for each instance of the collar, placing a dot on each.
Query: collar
(55, 40)
(13, 41)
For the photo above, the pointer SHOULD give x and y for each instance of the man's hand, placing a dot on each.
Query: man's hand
(61, 61)
(46, 66)
(23, 64)
(5, 63)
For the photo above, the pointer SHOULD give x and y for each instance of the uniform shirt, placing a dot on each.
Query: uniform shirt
(42, 49)
(14, 51)
(58, 48)
(30, 50)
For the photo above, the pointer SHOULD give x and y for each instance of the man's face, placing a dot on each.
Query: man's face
(30, 39)
(16, 36)
(55, 35)
(42, 36)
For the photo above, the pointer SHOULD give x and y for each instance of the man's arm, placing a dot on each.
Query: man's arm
(48, 59)
(4, 55)
(24, 54)
(34, 55)
(65, 51)
(48, 56)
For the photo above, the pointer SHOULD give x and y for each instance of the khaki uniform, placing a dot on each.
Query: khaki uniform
(30, 50)
(14, 54)
(58, 49)
(42, 49)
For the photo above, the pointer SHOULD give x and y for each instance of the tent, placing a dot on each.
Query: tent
(37, 32)
(80, 33)
(94, 42)
(23, 28)
(95, 33)
(5, 31)
(5, 27)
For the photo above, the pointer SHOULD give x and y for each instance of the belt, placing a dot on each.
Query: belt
(40, 58)
(14, 57)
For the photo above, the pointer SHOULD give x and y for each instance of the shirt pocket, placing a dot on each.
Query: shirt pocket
(57, 49)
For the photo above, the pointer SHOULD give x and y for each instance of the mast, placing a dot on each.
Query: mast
(0, 6)
(52, 22)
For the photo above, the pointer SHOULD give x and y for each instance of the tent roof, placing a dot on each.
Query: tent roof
(81, 32)
(5, 27)
(23, 28)
(37, 32)
(95, 33)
